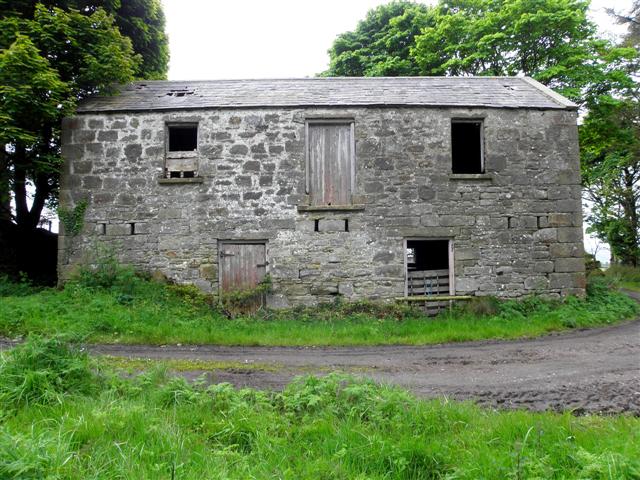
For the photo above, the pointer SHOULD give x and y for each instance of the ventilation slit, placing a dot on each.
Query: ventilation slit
(316, 225)
(346, 224)
(132, 228)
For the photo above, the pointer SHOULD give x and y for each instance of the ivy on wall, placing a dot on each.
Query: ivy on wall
(73, 219)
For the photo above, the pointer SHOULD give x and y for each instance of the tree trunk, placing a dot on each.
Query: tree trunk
(630, 208)
(5, 187)
(20, 186)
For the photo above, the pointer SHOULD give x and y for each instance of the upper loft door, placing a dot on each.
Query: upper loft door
(330, 159)
(242, 268)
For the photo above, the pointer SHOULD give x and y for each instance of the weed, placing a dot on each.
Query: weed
(104, 271)
(243, 301)
(155, 426)
(624, 273)
(20, 288)
(43, 371)
(149, 312)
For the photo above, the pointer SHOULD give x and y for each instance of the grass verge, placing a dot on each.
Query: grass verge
(95, 424)
(146, 312)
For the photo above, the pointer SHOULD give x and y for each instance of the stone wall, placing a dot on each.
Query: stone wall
(517, 229)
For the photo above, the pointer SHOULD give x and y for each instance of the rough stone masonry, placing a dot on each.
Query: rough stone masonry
(514, 226)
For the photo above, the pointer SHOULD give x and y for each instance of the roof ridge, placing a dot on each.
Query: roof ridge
(275, 79)
(556, 97)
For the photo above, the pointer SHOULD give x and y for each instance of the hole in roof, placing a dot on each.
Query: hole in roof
(508, 87)
(181, 92)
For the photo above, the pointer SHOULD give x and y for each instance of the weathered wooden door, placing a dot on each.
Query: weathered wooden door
(330, 166)
(242, 268)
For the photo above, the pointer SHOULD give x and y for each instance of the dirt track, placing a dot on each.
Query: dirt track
(585, 371)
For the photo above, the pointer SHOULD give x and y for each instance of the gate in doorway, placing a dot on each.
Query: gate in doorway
(429, 271)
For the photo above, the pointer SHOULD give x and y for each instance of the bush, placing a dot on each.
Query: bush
(624, 273)
(478, 306)
(20, 288)
(43, 371)
(104, 271)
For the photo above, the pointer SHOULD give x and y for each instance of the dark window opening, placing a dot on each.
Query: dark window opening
(511, 222)
(427, 255)
(183, 138)
(103, 228)
(466, 146)
(346, 224)
(316, 225)
(132, 228)
(189, 174)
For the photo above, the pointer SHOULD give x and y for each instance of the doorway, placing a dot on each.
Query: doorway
(429, 267)
(242, 267)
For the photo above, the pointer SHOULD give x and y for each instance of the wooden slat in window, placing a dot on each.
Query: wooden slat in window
(330, 163)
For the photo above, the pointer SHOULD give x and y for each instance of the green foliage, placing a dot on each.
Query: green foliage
(380, 44)
(592, 265)
(42, 371)
(624, 273)
(104, 271)
(480, 306)
(53, 54)
(155, 426)
(239, 301)
(118, 306)
(22, 287)
(610, 157)
(73, 219)
(190, 295)
(552, 41)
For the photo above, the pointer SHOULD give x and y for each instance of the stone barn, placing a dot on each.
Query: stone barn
(364, 188)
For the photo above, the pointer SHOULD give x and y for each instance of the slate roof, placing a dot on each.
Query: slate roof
(494, 92)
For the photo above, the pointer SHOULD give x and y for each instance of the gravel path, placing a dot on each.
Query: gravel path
(585, 371)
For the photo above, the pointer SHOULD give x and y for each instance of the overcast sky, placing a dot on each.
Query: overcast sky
(212, 39)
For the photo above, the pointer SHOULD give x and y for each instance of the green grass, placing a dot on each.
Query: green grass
(625, 276)
(133, 365)
(157, 427)
(146, 312)
(635, 286)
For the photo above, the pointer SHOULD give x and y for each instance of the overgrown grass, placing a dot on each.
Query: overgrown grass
(624, 276)
(154, 426)
(147, 312)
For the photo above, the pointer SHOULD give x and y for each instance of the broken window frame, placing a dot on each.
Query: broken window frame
(451, 261)
(309, 122)
(479, 120)
(188, 158)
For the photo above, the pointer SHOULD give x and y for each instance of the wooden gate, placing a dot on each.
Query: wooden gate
(330, 163)
(242, 268)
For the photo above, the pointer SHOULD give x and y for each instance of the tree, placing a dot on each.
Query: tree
(610, 155)
(142, 21)
(632, 20)
(552, 41)
(380, 44)
(53, 54)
